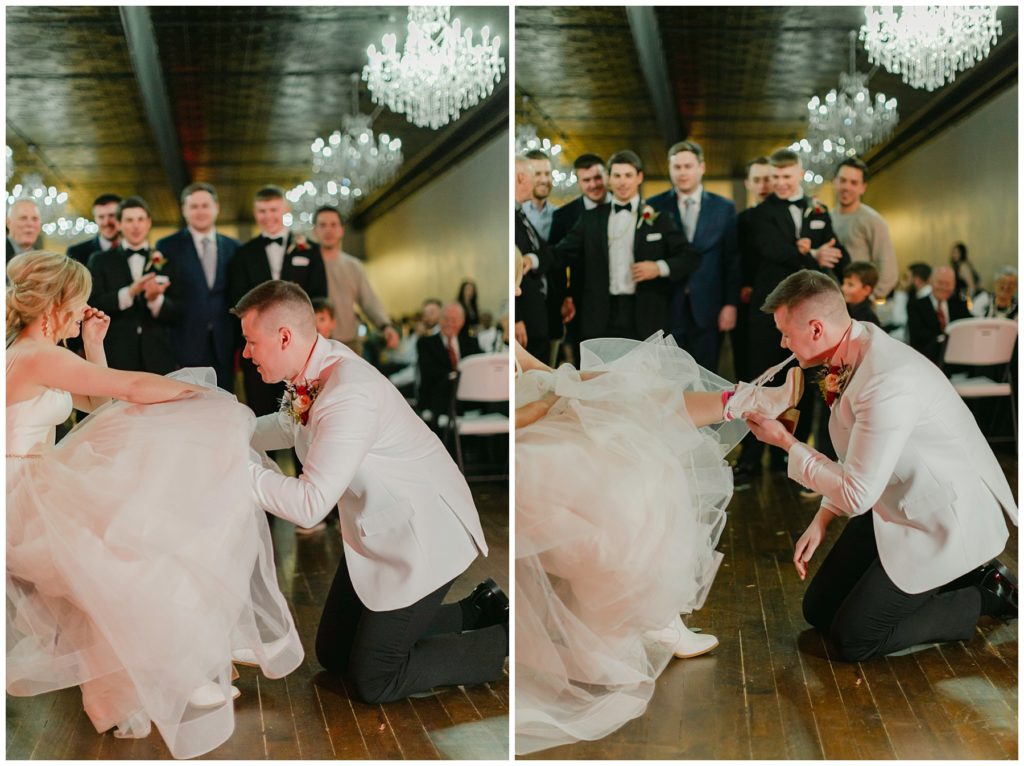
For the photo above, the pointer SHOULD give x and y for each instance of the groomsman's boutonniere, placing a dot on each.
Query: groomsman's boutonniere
(298, 399)
(815, 206)
(647, 216)
(298, 243)
(833, 381)
(156, 261)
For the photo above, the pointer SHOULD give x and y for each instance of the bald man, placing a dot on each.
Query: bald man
(923, 493)
(23, 227)
(927, 317)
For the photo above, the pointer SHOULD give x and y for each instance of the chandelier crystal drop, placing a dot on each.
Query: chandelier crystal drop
(562, 175)
(52, 204)
(927, 45)
(846, 123)
(439, 72)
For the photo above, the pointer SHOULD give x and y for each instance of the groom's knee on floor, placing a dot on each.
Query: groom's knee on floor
(375, 688)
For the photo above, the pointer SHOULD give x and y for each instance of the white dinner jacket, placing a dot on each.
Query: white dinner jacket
(408, 520)
(911, 450)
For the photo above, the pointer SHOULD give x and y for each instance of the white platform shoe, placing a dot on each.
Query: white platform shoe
(684, 642)
(210, 695)
(767, 402)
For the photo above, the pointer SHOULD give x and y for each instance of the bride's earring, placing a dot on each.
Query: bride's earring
(46, 328)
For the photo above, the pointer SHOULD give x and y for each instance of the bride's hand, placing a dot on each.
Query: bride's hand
(94, 326)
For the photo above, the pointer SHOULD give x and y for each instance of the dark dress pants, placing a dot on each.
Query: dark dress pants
(389, 655)
(852, 600)
(699, 342)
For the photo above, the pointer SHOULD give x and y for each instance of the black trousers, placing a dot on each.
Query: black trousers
(853, 601)
(702, 343)
(389, 655)
(622, 318)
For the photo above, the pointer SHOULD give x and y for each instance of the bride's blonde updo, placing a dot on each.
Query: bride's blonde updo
(42, 283)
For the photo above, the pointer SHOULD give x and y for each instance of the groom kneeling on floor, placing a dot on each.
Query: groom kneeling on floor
(408, 521)
(915, 563)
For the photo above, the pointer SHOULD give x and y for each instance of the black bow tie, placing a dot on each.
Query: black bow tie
(274, 240)
(628, 207)
(129, 252)
(800, 203)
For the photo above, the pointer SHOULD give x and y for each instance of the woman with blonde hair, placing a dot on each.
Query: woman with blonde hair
(621, 490)
(137, 562)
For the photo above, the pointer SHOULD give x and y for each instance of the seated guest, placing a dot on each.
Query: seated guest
(1002, 303)
(927, 317)
(488, 336)
(325, 319)
(859, 281)
(438, 357)
(913, 284)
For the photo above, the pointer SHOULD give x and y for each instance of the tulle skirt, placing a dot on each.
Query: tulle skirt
(137, 561)
(620, 502)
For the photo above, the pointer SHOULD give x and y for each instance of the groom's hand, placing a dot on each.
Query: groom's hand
(810, 540)
(769, 431)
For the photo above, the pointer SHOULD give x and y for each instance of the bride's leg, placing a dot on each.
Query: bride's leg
(704, 407)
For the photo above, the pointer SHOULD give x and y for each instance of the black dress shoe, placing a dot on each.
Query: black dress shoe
(487, 605)
(998, 591)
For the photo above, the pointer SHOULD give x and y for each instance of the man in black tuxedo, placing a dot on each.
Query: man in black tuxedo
(437, 357)
(625, 258)
(275, 254)
(788, 232)
(927, 317)
(531, 328)
(592, 178)
(138, 289)
(24, 226)
(758, 183)
(104, 213)
(205, 337)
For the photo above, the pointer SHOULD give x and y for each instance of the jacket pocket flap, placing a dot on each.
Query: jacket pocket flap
(385, 518)
(936, 496)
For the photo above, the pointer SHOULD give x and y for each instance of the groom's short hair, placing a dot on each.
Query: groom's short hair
(276, 294)
(804, 286)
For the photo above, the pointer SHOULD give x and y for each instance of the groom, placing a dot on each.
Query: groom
(407, 517)
(922, 490)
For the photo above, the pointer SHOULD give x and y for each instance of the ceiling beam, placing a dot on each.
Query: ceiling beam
(486, 122)
(138, 31)
(643, 23)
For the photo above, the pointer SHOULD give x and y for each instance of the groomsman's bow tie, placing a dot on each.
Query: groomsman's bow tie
(142, 251)
(274, 240)
(628, 207)
(800, 203)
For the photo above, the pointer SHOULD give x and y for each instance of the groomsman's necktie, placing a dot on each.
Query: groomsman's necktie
(531, 232)
(690, 219)
(941, 316)
(209, 260)
(452, 357)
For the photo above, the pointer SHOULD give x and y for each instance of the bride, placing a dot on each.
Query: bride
(137, 561)
(621, 489)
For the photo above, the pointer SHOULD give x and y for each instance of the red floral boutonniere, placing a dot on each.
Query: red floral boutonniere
(156, 261)
(298, 400)
(833, 381)
(815, 206)
(298, 243)
(647, 216)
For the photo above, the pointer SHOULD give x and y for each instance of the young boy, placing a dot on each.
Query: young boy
(325, 319)
(859, 280)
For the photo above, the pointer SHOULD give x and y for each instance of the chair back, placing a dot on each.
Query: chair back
(483, 378)
(980, 341)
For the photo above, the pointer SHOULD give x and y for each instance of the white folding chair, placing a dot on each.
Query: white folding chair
(482, 378)
(982, 343)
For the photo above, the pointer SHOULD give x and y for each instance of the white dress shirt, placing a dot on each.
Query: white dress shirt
(621, 232)
(137, 264)
(797, 213)
(275, 253)
(197, 240)
(589, 204)
(681, 202)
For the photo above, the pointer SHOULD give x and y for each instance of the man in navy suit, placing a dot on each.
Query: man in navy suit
(104, 213)
(704, 305)
(205, 336)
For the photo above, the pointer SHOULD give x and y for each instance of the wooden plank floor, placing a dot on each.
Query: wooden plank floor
(771, 691)
(309, 714)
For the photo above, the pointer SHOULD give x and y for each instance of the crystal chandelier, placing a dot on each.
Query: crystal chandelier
(846, 124)
(52, 205)
(562, 176)
(439, 72)
(347, 165)
(928, 45)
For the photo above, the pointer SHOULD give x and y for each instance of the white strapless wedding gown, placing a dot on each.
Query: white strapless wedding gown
(137, 561)
(620, 502)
